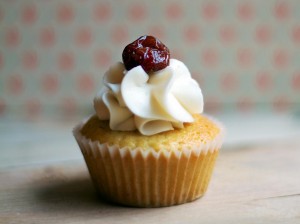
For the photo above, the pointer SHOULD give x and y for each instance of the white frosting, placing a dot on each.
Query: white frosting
(153, 103)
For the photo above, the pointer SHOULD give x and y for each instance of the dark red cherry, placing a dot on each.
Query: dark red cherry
(147, 51)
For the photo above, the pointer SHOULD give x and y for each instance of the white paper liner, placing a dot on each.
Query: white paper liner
(146, 177)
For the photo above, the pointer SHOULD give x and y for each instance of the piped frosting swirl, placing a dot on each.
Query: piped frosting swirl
(151, 103)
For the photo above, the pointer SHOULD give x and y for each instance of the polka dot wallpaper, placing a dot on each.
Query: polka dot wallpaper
(245, 54)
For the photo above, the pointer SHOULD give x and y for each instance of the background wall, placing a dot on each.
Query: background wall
(245, 54)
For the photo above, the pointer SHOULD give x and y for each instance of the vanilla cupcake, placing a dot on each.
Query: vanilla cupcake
(148, 145)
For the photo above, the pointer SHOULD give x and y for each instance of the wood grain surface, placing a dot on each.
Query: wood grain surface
(253, 184)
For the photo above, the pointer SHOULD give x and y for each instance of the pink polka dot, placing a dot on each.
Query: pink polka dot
(210, 57)
(2, 106)
(227, 34)
(50, 83)
(12, 37)
(177, 54)
(85, 83)
(282, 10)
(263, 81)
(47, 37)
(210, 11)
(66, 61)
(198, 77)
(102, 58)
(245, 57)
(102, 12)
(229, 82)
(191, 34)
(69, 106)
(33, 107)
(29, 14)
(245, 11)
(174, 11)
(281, 104)
(137, 12)
(245, 104)
(263, 34)
(157, 31)
(119, 34)
(83, 36)
(280, 58)
(296, 81)
(65, 13)
(296, 34)
(213, 105)
(30, 60)
(15, 84)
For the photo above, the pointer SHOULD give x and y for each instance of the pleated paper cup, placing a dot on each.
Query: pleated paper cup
(147, 177)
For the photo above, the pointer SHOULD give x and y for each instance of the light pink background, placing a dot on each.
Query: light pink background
(53, 54)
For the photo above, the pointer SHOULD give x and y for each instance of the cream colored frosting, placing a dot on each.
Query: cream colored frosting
(153, 103)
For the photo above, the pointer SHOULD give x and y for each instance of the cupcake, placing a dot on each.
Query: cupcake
(148, 143)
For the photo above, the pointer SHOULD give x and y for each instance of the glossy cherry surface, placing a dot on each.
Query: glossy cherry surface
(147, 51)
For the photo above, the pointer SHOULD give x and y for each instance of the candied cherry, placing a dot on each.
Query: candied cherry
(147, 51)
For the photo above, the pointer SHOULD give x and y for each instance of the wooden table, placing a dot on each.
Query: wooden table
(256, 183)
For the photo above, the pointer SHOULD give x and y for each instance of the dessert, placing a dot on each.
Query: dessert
(148, 145)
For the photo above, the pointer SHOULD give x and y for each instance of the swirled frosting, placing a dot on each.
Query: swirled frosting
(153, 103)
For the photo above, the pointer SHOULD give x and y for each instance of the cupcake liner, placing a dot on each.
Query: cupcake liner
(148, 178)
